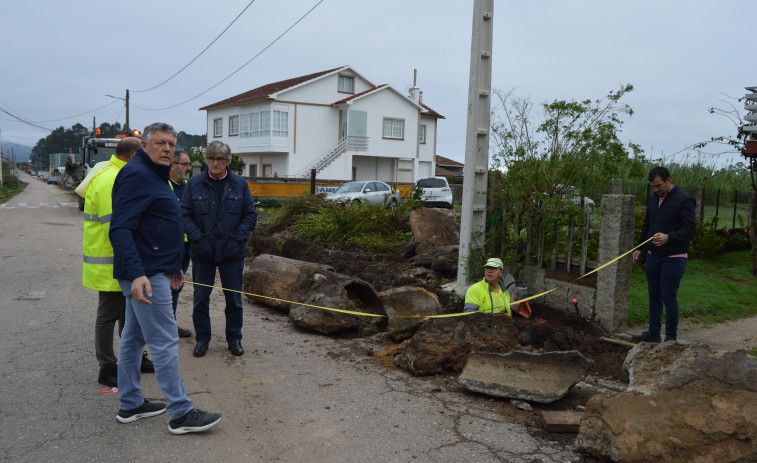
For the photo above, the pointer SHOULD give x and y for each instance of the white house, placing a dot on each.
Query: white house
(336, 122)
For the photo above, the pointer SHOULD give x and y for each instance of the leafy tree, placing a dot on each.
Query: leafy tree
(736, 143)
(575, 145)
(186, 141)
(61, 140)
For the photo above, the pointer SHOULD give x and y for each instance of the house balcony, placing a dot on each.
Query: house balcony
(264, 143)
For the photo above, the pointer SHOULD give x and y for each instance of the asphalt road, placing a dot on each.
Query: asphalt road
(293, 397)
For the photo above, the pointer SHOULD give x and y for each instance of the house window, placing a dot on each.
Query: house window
(422, 134)
(394, 128)
(347, 84)
(280, 124)
(217, 128)
(255, 124)
(253, 170)
(233, 125)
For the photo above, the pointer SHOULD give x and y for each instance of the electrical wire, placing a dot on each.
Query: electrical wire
(238, 69)
(20, 119)
(203, 51)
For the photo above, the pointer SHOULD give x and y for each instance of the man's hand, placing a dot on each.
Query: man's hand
(636, 255)
(139, 287)
(177, 280)
(659, 239)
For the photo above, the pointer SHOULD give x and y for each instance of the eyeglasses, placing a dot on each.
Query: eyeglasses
(216, 160)
(185, 164)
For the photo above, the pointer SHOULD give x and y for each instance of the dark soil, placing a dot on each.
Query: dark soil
(547, 329)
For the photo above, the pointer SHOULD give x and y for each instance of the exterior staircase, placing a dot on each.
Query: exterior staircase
(348, 143)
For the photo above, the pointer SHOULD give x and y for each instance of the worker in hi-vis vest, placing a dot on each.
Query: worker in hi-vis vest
(97, 270)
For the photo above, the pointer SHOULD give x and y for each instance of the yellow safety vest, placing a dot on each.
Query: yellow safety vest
(170, 183)
(488, 301)
(97, 270)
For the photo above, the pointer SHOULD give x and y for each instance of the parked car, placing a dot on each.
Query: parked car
(31, 172)
(574, 195)
(435, 192)
(52, 180)
(43, 175)
(365, 192)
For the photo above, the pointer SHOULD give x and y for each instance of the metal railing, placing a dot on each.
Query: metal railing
(348, 143)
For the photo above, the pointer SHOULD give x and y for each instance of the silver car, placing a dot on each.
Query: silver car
(365, 192)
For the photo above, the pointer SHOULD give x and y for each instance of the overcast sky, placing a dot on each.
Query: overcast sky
(61, 59)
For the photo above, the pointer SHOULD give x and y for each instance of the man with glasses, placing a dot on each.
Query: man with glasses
(488, 296)
(218, 215)
(181, 167)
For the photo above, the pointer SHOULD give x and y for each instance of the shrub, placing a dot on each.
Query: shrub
(707, 243)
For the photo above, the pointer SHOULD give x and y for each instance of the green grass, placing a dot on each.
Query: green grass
(711, 291)
(8, 191)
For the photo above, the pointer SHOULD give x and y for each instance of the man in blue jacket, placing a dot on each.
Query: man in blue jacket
(218, 215)
(670, 222)
(147, 236)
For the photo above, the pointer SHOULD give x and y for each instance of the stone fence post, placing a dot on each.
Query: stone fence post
(614, 281)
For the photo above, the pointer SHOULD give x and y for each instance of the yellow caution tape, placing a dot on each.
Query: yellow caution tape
(457, 314)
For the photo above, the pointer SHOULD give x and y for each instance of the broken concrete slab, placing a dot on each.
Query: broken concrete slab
(684, 403)
(408, 302)
(278, 279)
(668, 365)
(702, 421)
(444, 343)
(534, 376)
(333, 290)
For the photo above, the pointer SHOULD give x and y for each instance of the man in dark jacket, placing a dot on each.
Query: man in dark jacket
(670, 222)
(218, 215)
(147, 236)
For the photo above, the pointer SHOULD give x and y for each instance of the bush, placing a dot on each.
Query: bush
(372, 228)
(270, 203)
(707, 242)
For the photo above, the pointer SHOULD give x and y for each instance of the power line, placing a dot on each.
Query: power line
(239, 68)
(203, 51)
(21, 119)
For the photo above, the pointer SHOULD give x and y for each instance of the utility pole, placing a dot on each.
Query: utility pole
(126, 128)
(476, 173)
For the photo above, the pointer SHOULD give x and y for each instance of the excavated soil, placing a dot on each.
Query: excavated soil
(547, 329)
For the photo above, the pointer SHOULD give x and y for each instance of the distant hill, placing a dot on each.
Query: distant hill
(21, 152)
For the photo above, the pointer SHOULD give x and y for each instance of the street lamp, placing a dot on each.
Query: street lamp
(126, 100)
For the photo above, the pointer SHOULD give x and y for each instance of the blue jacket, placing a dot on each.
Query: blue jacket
(145, 228)
(675, 217)
(218, 232)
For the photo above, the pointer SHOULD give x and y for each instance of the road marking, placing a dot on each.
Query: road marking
(38, 205)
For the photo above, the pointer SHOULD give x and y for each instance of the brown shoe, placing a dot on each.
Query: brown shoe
(184, 333)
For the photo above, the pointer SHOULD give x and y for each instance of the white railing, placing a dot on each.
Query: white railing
(348, 143)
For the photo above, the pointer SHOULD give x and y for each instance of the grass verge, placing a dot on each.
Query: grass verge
(10, 189)
(711, 291)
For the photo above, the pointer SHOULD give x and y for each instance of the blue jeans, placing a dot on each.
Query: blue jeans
(155, 326)
(663, 278)
(184, 267)
(231, 278)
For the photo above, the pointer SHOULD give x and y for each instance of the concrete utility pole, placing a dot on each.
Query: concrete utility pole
(475, 176)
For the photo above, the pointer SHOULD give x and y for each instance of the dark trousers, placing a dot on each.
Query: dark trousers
(110, 310)
(231, 278)
(184, 267)
(663, 278)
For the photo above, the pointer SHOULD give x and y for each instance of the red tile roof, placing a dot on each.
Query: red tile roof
(431, 112)
(265, 91)
(442, 172)
(345, 100)
(447, 161)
